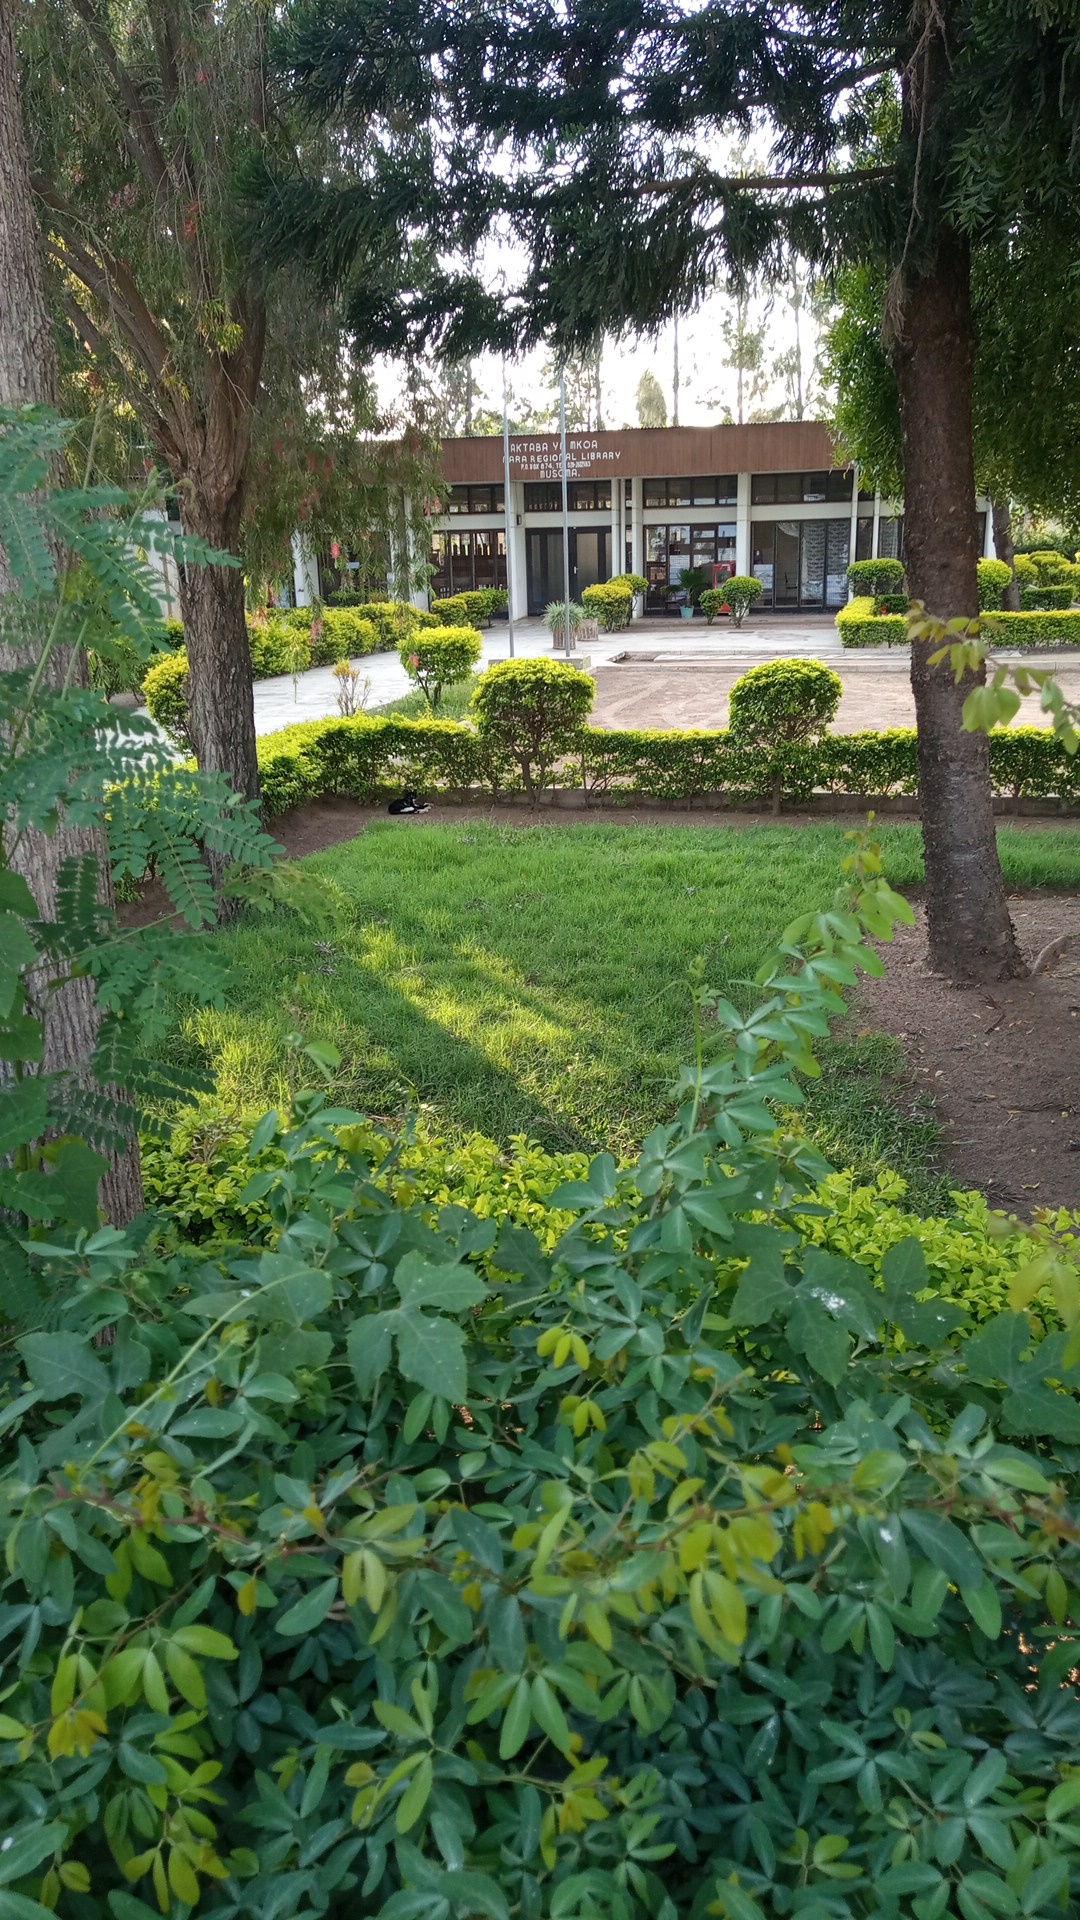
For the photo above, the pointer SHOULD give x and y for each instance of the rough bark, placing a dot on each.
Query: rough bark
(1001, 521)
(221, 706)
(932, 348)
(28, 374)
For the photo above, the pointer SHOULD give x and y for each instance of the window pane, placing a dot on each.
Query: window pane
(888, 539)
(839, 485)
(703, 493)
(656, 538)
(727, 489)
(458, 501)
(812, 569)
(864, 539)
(678, 493)
(602, 489)
(763, 489)
(655, 493)
(762, 539)
(786, 577)
(789, 487)
(814, 486)
(836, 560)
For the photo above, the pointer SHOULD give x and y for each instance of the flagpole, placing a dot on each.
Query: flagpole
(565, 503)
(506, 514)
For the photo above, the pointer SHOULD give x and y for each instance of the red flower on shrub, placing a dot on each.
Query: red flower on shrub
(414, 660)
(335, 550)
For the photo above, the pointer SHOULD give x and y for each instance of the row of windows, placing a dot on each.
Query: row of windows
(707, 490)
(582, 496)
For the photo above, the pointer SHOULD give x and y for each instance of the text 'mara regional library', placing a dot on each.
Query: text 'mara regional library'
(767, 499)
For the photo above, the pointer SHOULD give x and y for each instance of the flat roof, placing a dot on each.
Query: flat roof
(645, 453)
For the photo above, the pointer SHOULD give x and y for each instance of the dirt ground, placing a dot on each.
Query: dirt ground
(694, 692)
(1002, 1062)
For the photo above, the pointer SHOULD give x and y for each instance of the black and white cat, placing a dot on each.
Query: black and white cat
(410, 802)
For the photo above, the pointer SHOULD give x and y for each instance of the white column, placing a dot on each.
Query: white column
(305, 572)
(742, 525)
(637, 529)
(854, 521)
(615, 563)
(877, 522)
(518, 579)
(989, 551)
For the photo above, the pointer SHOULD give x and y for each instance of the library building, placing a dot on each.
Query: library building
(767, 499)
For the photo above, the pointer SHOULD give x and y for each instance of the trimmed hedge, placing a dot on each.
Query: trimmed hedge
(612, 602)
(287, 642)
(1059, 629)
(368, 756)
(892, 603)
(859, 625)
(1045, 599)
(994, 577)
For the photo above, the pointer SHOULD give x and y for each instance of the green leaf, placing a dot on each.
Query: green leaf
(15, 895)
(516, 1721)
(763, 1291)
(60, 1365)
(24, 1111)
(822, 1339)
(185, 1674)
(369, 1350)
(27, 1847)
(207, 1642)
(431, 1352)
(17, 951)
(420, 1283)
(943, 1544)
(309, 1612)
(984, 1607)
(415, 1797)
(549, 1715)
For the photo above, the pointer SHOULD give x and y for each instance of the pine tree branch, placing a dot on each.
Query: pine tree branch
(715, 186)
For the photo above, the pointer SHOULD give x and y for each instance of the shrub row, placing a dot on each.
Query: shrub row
(367, 757)
(1059, 629)
(472, 609)
(860, 625)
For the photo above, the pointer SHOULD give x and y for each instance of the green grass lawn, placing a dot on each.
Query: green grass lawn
(511, 980)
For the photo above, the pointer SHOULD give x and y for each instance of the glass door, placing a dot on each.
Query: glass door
(786, 577)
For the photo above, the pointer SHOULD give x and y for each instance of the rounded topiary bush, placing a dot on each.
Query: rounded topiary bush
(740, 593)
(438, 657)
(784, 702)
(781, 704)
(165, 690)
(876, 576)
(530, 712)
(612, 603)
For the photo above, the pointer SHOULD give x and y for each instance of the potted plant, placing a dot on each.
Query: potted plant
(692, 582)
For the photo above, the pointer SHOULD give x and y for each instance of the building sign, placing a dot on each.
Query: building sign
(589, 456)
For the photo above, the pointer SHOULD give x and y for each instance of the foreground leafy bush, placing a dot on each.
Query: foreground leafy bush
(784, 702)
(439, 659)
(531, 712)
(611, 602)
(994, 577)
(679, 1569)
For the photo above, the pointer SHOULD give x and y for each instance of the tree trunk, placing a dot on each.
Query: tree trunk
(932, 350)
(28, 374)
(221, 706)
(1001, 521)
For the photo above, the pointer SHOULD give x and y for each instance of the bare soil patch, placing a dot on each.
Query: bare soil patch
(1002, 1062)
